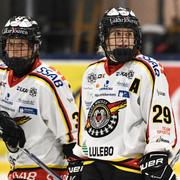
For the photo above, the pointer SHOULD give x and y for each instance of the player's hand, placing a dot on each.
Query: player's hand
(75, 168)
(12, 134)
(154, 166)
(75, 164)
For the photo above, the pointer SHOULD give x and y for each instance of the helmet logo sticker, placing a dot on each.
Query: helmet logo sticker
(21, 22)
(121, 11)
(113, 12)
(132, 13)
(124, 13)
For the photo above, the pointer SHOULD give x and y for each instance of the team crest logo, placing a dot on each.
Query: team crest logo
(33, 92)
(103, 117)
(91, 78)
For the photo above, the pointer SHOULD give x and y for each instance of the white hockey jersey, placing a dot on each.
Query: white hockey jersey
(43, 105)
(126, 113)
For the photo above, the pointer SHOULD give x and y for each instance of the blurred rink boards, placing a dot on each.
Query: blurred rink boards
(73, 71)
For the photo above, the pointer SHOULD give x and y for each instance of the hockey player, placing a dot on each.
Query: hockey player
(126, 126)
(37, 108)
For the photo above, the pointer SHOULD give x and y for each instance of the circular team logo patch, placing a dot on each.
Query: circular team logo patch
(103, 117)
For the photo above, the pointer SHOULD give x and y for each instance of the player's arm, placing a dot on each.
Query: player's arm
(61, 114)
(62, 117)
(161, 133)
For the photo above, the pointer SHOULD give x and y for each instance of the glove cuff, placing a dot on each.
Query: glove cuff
(12, 149)
(158, 146)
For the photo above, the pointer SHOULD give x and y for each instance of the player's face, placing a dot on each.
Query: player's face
(18, 48)
(120, 38)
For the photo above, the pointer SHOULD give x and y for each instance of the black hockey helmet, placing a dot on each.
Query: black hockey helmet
(21, 27)
(120, 18)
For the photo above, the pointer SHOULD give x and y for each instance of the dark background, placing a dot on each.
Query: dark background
(69, 27)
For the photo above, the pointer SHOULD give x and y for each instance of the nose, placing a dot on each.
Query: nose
(122, 42)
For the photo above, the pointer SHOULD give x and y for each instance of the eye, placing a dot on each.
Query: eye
(23, 44)
(130, 34)
(10, 43)
(118, 33)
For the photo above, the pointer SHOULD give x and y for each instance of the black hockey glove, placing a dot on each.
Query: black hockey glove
(12, 134)
(154, 166)
(75, 165)
(75, 168)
